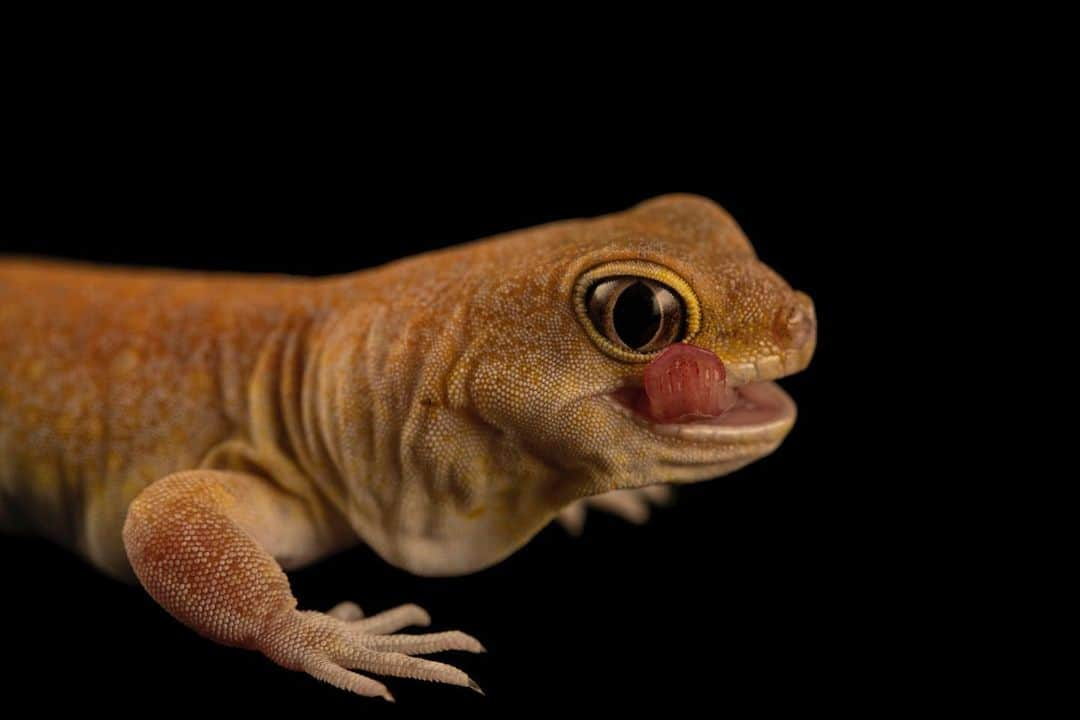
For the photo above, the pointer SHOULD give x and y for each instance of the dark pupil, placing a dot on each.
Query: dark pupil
(637, 315)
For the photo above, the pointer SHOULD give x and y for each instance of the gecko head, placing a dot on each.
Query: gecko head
(651, 343)
(559, 362)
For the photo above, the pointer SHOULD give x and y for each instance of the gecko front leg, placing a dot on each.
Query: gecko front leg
(633, 505)
(203, 545)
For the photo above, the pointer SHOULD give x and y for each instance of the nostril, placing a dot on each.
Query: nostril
(794, 326)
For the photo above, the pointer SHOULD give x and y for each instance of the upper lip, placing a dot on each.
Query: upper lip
(769, 367)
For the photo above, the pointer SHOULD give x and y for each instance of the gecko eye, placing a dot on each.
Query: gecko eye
(633, 309)
(636, 314)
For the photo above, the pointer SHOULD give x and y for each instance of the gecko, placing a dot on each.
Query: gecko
(200, 434)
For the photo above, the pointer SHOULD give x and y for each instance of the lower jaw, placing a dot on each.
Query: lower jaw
(762, 413)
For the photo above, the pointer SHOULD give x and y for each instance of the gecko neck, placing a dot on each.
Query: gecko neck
(421, 477)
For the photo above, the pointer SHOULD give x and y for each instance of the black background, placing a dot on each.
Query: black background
(767, 589)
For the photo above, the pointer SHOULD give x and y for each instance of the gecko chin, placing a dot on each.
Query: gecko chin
(757, 413)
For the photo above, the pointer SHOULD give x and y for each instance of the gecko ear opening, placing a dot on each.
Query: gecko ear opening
(632, 309)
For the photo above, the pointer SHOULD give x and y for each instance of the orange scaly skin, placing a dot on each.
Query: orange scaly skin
(201, 432)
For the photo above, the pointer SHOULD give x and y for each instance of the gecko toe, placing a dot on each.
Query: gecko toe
(424, 644)
(390, 621)
(347, 611)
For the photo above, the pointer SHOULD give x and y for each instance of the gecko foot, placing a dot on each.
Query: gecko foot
(633, 505)
(330, 646)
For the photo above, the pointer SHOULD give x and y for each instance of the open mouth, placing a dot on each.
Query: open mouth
(760, 411)
(685, 393)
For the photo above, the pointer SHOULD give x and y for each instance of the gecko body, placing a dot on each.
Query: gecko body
(201, 433)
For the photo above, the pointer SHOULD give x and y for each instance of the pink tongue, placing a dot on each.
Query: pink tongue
(684, 383)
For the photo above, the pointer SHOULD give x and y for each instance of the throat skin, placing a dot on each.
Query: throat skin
(440, 409)
(421, 473)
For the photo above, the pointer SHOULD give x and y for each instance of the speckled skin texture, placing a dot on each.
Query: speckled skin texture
(202, 432)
